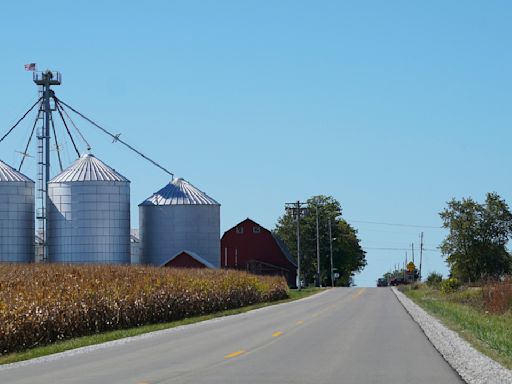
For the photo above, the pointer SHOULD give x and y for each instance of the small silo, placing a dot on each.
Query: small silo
(177, 218)
(89, 214)
(16, 216)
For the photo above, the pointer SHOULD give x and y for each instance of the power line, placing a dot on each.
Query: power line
(115, 137)
(394, 224)
(20, 119)
(397, 249)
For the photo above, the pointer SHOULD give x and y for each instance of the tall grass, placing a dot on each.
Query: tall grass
(41, 304)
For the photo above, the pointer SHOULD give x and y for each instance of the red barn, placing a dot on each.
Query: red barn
(187, 259)
(249, 246)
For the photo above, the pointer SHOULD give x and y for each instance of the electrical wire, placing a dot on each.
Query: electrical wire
(24, 154)
(395, 224)
(115, 137)
(56, 142)
(74, 125)
(19, 121)
(397, 249)
(67, 130)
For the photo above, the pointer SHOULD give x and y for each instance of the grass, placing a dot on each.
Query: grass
(123, 333)
(463, 312)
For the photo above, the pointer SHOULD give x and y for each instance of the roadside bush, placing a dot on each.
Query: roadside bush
(41, 304)
(497, 295)
(434, 280)
(450, 285)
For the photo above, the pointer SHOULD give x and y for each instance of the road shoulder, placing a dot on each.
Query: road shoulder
(470, 364)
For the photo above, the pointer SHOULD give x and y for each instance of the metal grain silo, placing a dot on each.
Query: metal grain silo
(89, 214)
(16, 216)
(179, 217)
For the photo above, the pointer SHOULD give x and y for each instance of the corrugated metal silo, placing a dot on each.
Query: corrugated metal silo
(89, 214)
(16, 216)
(179, 217)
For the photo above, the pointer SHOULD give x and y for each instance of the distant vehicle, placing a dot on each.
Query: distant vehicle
(398, 281)
(382, 282)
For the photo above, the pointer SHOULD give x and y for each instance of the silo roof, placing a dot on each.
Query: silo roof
(179, 192)
(8, 173)
(88, 168)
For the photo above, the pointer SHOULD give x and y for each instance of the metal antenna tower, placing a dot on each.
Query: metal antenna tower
(44, 80)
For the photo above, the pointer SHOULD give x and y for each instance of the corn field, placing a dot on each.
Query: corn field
(42, 304)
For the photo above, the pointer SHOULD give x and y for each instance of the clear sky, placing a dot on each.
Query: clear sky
(392, 107)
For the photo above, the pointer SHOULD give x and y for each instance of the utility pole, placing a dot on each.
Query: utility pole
(317, 251)
(405, 265)
(421, 252)
(297, 211)
(412, 249)
(330, 252)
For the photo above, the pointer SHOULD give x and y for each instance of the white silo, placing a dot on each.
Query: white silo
(179, 217)
(16, 216)
(89, 214)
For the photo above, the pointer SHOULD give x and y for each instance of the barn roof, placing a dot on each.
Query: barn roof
(284, 249)
(194, 255)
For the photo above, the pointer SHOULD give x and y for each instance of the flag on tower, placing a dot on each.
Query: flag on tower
(30, 67)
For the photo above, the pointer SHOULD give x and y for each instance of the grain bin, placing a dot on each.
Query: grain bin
(179, 217)
(16, 216)
(89, 214)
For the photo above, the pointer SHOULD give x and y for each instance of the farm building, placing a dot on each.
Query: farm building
(179, 217)
(89, 214)
(16, 216)
(187, 259)
(249, 246)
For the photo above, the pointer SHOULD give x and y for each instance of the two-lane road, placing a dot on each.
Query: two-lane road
(345, 335)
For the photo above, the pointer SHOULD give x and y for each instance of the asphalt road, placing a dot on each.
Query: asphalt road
(345, 335)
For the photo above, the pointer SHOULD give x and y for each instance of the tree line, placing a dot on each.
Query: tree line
(476, 245)
(348, 255)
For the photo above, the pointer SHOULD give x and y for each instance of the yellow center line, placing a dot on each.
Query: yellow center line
(359, 293)
(234, 354)
(299, 322)
(276, 334)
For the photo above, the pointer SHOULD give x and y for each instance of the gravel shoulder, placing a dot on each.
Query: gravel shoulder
(470, 364)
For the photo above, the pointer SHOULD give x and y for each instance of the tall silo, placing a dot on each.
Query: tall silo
(176, 218)
(16, 216)
(89, 214)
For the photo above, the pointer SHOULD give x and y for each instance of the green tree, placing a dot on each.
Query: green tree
(475, 247)
(348, 256)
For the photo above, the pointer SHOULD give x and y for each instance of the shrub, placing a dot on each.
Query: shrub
(434, 280)
(41, 304)
(450, 285)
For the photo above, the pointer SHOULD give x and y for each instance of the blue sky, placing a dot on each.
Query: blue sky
(391, 107)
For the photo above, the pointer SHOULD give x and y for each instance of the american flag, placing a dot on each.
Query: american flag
(30, 67)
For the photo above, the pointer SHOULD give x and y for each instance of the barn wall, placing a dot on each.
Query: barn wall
(238, 249)
(184, 260)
